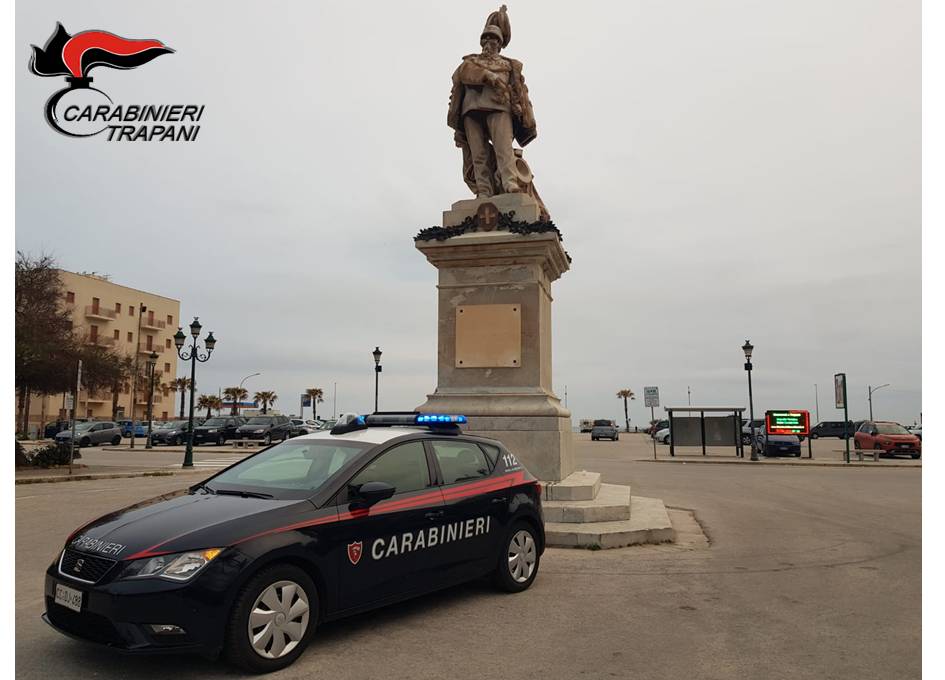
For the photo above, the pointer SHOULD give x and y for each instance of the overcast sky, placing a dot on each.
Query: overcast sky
(720, 170)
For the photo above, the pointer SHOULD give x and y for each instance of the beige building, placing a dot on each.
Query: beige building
(107, 314)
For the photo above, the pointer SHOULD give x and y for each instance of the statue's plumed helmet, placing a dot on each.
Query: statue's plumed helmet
(498, 25)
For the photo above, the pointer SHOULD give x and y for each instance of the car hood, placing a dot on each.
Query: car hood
(183, 521)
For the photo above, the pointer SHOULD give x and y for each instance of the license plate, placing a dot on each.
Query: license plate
(905, 446)
(69, 597)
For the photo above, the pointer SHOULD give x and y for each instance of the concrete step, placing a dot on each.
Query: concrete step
(612, 504)
(578, 486)
(648, 523)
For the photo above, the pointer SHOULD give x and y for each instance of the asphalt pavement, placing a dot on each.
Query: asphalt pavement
(780, 572)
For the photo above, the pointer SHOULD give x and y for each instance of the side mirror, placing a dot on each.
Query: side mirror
(371, 493)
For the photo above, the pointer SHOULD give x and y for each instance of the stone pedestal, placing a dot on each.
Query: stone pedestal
(494, 347)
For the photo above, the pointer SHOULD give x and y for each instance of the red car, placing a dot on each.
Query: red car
(892, 438)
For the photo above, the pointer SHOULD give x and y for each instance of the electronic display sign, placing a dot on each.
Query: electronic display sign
(788, 421)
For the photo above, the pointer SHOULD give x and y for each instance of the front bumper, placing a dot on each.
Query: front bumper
(119, 614)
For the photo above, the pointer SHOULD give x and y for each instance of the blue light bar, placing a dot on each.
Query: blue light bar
(439, 419)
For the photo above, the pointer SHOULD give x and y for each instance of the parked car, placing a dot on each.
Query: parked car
(831, 428)
(141, 428)
(890, 438)
(92, 434)
(54, 428)
(654, 428)
(586, 425)
(267, 428)
(770, 445)
(916, 430)
(327, 424)
(172, 433)
(604, 429)
(759, 424)
(218, 430)
(662, 436)
(302, 426)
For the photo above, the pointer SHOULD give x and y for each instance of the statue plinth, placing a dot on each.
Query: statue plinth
(494, 347)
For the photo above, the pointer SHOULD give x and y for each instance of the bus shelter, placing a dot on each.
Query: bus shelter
(699, 430)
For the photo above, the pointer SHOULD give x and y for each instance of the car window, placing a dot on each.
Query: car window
(492, 452)
(460, 461)
(404, 467)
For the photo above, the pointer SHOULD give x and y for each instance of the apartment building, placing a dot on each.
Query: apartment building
(109, 314)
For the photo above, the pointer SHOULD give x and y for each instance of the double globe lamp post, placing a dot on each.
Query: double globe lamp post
(193, 355)
(152, 365)
(377, 373)
(748, 348)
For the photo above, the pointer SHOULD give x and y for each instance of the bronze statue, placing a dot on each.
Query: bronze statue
(489, 107)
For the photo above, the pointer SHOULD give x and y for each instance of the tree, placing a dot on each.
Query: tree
(265, 397)
(46, 349)
(181, 385)
(122, 381)
(318, 397)
(216, 403)
(625, 395)
(207, 401)
(235, 395)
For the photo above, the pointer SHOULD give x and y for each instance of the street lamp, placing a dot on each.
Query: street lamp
(152, 363)
(192, 355)
(872, 389)
(377, 373)
(748, 348)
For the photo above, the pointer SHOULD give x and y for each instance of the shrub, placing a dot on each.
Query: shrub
(51, 455)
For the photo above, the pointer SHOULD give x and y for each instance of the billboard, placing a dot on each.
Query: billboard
(840, 389)
(788, 421)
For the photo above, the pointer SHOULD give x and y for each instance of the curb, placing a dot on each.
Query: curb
(859, 464)
(104, 475)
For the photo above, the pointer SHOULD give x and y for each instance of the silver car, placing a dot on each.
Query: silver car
(92, 434)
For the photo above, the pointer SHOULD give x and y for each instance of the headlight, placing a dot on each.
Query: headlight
(211, 431)
(177, 567)
(258, 431)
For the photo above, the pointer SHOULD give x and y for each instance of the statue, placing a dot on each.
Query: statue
(489, 103)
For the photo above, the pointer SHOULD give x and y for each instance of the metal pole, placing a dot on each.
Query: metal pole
(147, 443)
(846, 421)
(75, 405)
(672, 438)
(702, 429)
(134, 378)
(751, 414)
(869, 389)
(377, 375)
(189, 452)
(816, 402)
(334, 401)
(652, 420)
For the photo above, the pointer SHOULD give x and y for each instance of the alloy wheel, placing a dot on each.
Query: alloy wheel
(278, 619)
(522, 556)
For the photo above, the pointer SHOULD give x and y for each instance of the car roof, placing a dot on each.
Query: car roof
(371, 435)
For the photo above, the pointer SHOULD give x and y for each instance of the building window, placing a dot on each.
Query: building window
(130, 336)
(150, 341)
(95, 304)
(117, 308)
(163, 415)
(93, 333)
(167, 343)
(131, 310)
(88, 413)
(167, 368)
(70, 296)
(170, 320)
(116, 334)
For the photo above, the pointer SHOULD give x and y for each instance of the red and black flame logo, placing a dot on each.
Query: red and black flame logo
(73, 56)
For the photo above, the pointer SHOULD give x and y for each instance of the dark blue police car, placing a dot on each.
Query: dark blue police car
(382, 508)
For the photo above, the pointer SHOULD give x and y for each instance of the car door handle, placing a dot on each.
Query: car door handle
(434, 514)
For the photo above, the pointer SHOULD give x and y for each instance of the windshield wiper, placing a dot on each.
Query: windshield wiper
(244, 494)
(202, 486)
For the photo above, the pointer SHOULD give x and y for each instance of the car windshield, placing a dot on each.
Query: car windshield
(82, 427)
(890, 428)
(259, 421)
(215, 422)
(293, 469)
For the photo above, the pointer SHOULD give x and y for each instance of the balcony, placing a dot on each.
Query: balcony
(143, 399)
(93, 312)
(144, 349)
(153, 324)
(100, 341)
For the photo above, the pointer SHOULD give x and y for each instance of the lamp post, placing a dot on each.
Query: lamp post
(240, 389)
(142, 308)
(748, 348)
(377, 373)
(152, 363)
(870, 390)
(193, 355)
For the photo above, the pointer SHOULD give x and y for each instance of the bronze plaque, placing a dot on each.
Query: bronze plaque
(488, 216)
(489, 336)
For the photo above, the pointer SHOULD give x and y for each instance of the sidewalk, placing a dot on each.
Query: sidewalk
(710, 459)
(29, 475)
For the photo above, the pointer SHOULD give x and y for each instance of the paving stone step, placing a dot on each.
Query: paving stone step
(578, 486)
(611, 504)
(649, 523)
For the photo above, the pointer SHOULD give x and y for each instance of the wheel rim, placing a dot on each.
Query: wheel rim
(268, 439)
(278, 619)
(522, 556)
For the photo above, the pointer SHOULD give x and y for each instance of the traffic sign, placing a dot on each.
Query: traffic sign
(651, 396)
(840, 389)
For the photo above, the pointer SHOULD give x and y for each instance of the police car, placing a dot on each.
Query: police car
(381, 508)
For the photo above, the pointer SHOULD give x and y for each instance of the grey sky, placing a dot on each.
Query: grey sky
(719, 170)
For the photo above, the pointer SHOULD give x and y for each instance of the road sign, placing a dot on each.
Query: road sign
(651, 396)
(788, 421)
(840, 389)
(70, 402)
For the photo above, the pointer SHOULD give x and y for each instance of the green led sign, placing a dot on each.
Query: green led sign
(787, 421)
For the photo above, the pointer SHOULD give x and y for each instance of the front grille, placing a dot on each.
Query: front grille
(84, 567)
(85, 625)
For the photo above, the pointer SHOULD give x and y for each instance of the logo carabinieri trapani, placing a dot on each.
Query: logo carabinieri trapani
(81, 110)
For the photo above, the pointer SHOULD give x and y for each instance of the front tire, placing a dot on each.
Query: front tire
(268, 440)
(85, 441)
(221, 440)
(273, 619)
(519, 560)
(116, 440)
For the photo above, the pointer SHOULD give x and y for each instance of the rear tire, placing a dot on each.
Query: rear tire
(85, 441)
(239, 648)
(116, 440)
(518, 560)
(221, 440)
(813, 435)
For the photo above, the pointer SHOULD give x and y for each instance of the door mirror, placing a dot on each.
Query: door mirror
(371, 493)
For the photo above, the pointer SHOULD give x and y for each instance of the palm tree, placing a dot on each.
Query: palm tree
(266, 397)
(181, 385)
(215, 403)
(124, 370)
(205, 401)
(626, 394)
(235, 395)
(317, 396)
